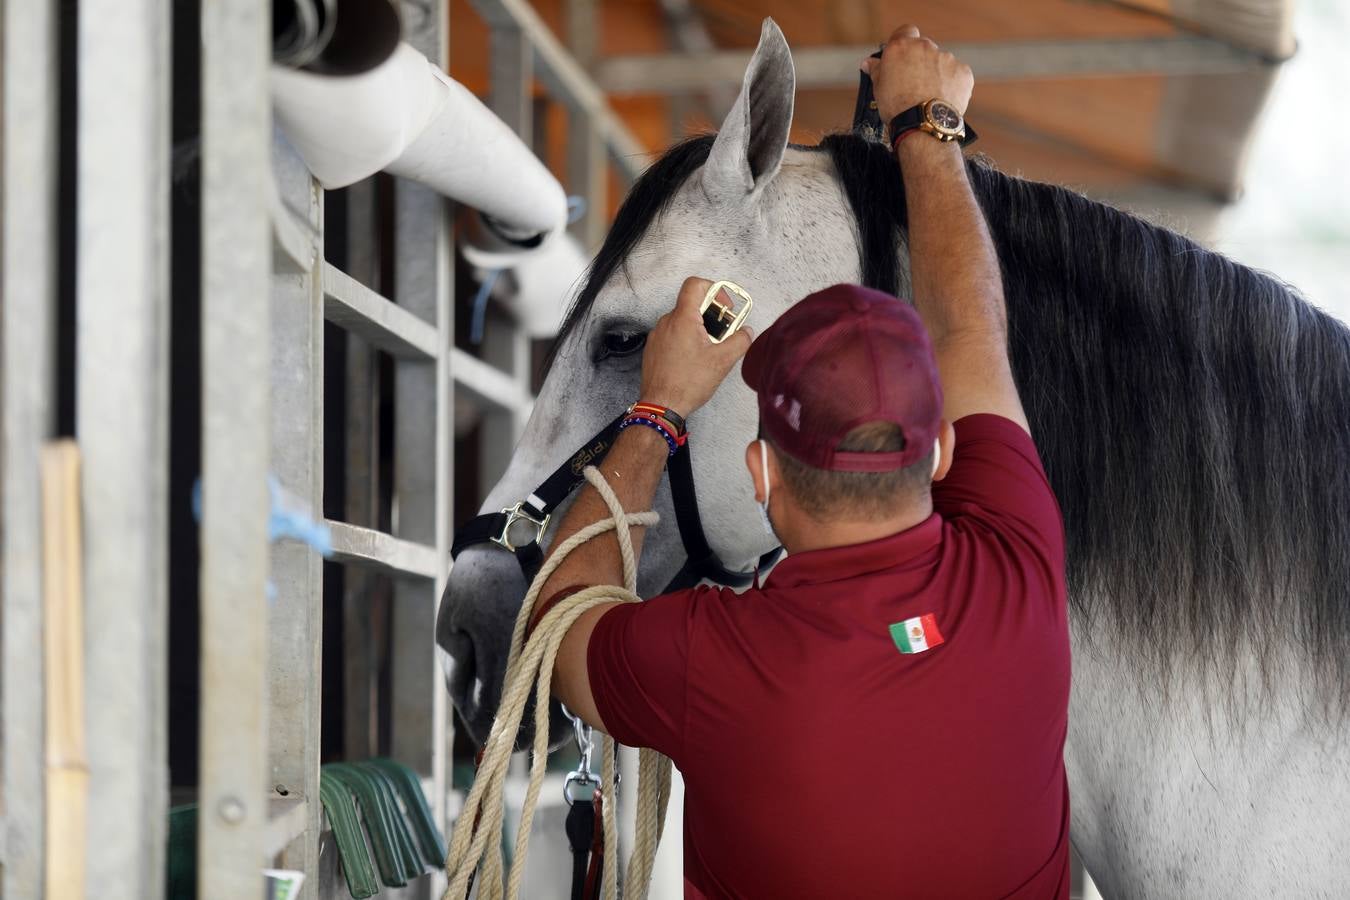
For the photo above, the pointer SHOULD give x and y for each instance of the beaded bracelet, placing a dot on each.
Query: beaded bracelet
(674, 419)
(652, 423)
(668, 426)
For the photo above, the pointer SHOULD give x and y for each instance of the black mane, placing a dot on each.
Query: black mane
(1193, 414)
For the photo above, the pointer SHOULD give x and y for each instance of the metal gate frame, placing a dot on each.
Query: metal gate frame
(266, 295)
(263, 394)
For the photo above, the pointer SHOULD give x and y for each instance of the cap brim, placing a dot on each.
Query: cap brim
(756, 359)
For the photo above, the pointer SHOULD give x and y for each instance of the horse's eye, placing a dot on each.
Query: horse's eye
(621, 343)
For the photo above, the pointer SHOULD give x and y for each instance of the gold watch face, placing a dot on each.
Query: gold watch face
(944, 117)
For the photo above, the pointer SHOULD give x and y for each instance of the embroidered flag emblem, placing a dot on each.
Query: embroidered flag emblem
(917, 634)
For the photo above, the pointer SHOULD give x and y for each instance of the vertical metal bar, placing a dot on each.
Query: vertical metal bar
(511, 69)
(588, 176)
(361, 484)
(28, 162)
(295, 621)
(422, 448)
(587, 160)
(236, 265)
(512, 99)
(122, 276)
(583, 37)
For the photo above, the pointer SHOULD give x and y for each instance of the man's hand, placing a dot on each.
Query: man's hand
(914, 70)
(681, 366)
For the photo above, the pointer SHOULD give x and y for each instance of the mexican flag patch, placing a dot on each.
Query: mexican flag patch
(917, 634)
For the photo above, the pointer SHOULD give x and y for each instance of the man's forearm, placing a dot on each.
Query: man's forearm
(633, 469)
(956, 284)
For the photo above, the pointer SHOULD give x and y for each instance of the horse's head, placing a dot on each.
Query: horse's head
(742, 206)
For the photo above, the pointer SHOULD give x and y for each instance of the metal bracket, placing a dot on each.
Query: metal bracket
(516, 514)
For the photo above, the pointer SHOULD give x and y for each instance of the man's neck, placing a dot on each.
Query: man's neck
(803, 533)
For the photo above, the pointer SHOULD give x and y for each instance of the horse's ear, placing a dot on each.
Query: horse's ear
(750, 145)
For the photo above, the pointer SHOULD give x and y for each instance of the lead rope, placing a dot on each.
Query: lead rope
(531, 664)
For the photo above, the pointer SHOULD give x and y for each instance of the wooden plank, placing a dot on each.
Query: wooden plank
(63, 643)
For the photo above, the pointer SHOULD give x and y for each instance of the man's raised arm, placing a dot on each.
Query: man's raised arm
(954, 268)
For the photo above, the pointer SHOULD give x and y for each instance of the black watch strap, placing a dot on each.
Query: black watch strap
(913, 117)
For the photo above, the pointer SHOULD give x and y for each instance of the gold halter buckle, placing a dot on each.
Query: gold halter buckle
(725, 321)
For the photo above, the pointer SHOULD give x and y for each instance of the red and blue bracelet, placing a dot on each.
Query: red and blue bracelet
(654, 423)
(673, 419)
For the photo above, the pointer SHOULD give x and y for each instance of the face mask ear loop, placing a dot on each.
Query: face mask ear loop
(937, 456)
(764, 469)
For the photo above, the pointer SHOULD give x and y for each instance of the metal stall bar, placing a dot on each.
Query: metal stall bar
(487, 384)
(511, 97)
(381, 322)
(295, 614)
(567, 80)
(236, 321)
(587, 166)
(29, 153)
(422, 448)
(836, 67)
(376, 550)
(122, 286)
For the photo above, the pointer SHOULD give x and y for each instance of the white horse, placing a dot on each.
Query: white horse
(1193, 415)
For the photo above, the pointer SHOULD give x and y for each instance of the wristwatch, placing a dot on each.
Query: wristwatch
(936, 117)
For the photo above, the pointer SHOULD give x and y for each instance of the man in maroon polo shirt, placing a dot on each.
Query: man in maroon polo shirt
(885, 716)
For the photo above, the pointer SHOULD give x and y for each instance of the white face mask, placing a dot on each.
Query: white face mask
(764, 469)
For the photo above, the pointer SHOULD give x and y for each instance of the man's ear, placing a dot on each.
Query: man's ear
(946, 444)
(752, 463)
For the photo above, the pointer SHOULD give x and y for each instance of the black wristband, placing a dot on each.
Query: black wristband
(912, 118)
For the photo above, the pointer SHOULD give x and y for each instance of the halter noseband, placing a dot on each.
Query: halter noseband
(519, 529)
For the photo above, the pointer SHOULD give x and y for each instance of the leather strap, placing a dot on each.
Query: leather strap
(866, 118)
(701, 561)
(580, 827)
(594, 875)
(545, 499)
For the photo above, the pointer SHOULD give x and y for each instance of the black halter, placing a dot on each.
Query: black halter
(520, 528)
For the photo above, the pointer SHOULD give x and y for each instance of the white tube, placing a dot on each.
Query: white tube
(468, 153)
(542, 281)
(411, 119)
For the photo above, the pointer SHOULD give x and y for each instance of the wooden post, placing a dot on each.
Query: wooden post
(63, 643)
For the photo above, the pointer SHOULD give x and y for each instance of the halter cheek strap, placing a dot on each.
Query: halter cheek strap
(520, 528)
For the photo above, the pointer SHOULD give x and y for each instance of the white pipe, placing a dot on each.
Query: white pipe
(542, 281)
(409, 118)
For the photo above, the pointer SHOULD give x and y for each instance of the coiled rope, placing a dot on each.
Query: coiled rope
(476, 845)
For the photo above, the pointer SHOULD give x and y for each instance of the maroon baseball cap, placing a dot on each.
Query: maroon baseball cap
(844, 357)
